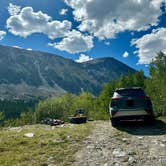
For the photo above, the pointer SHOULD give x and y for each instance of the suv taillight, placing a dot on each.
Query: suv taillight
(114, 102)
(115, 99)
(113, 112)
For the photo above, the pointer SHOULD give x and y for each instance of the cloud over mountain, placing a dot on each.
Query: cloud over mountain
(125, 54)
(83, 58)
(75, 42)
(2, 34)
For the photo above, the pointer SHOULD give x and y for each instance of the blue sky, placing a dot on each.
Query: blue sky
(130, 31)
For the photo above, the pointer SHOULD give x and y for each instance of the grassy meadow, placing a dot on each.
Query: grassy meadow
(49, 144)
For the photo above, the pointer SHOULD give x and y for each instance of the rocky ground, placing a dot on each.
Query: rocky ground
(129, 144)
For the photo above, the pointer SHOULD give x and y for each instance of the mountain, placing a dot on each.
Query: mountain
(29, 74)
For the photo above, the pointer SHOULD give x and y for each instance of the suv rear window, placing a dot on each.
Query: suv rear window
(130, 92)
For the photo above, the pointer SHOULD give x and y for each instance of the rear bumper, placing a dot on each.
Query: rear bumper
(133, 112)
(134, 117)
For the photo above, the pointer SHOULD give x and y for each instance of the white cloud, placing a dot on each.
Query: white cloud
(75, 42)
(150, 44)
(63, 11)
(83, 58)
(2, 34)
(107, 43)
(125, 54)
(13, 9)
(27, 22)
(105, 19)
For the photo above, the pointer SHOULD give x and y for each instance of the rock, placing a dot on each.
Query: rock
(124, 139)
(132, 153)
(125, 159)
(30, 135)
(155, 142)
(71, 125)
(163, 141)
(131, 160)
(17, 129)
(116, 164)
(140, 137)
(162, 145)
(118, 153)
(50, 158)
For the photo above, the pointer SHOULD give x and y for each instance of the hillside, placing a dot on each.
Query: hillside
(28, 74)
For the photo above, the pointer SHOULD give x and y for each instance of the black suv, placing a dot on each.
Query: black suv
(130, 104)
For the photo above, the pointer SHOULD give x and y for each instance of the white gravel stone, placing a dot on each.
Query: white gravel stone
(30, 135)
(119, 153)
(131, 160)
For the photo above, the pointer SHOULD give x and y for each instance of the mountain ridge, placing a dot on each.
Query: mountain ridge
(41, 74)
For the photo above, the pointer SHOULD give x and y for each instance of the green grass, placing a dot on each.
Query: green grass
(162, 118)
(47, 146)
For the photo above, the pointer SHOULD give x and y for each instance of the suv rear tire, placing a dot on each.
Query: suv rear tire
(114, 122)
(150, 120)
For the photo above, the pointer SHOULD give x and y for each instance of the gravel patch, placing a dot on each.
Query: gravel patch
(126, 145)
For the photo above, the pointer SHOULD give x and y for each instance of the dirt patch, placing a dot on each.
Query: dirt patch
(129, 144)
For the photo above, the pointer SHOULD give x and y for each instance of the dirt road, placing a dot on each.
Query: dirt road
(130, 144)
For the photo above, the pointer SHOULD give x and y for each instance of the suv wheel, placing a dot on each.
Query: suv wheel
(150, 120)
(114, 122)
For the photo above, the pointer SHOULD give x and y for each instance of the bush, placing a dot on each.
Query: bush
(24, 119)
(156, 84)
(66, 105)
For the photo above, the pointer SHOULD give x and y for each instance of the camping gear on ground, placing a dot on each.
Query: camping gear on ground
(78, 117)
(52, 122)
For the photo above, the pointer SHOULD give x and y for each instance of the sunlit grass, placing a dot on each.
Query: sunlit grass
(49, 145)
(163, 118)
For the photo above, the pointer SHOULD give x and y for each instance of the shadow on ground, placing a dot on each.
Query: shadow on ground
(141, 128)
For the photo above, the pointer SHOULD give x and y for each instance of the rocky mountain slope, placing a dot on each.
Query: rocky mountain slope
(28, 74)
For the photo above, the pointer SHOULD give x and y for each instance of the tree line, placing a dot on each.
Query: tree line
(97, 107)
